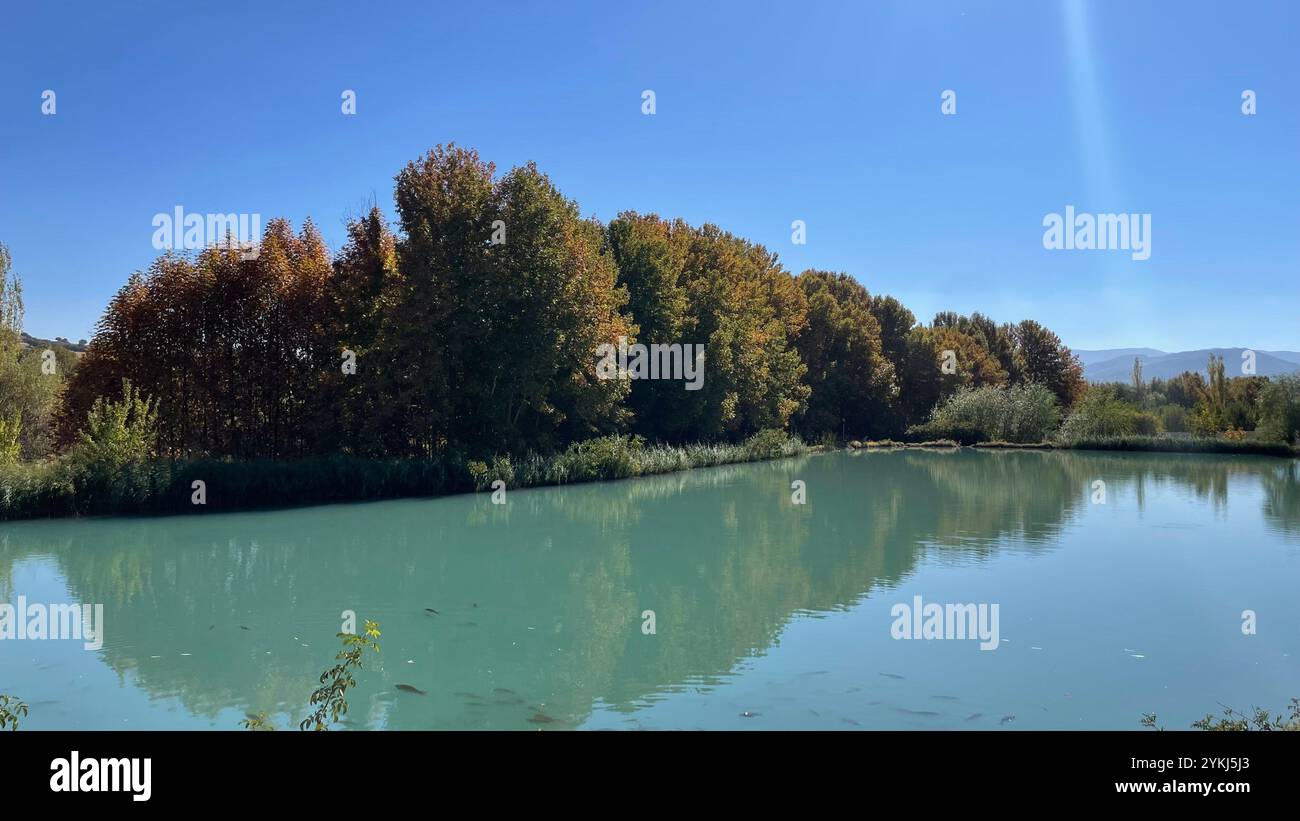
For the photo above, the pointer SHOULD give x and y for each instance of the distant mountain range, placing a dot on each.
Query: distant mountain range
(1116, 364)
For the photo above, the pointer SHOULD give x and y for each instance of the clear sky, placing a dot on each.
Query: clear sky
(765, 113)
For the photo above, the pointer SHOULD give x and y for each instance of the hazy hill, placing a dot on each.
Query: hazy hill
(1093, 357)
(1116, 365)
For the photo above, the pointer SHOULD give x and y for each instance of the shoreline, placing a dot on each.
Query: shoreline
(1126, 444)
(171, 487)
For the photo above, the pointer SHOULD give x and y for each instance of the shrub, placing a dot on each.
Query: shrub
(483, 475)
(1279, 409)
(1021, 413)
(769, 444)
(117, 433)
(608, 457)
(1102, 414)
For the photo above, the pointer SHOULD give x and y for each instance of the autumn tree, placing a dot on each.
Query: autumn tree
(851, 381)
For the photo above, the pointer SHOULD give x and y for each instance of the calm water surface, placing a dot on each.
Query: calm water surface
(763, 607)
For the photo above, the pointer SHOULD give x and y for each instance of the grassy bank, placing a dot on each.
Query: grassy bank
(1150, 444)
(168, 486)
(1167, 444)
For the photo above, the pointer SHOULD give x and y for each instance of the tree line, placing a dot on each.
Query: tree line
(472, 325)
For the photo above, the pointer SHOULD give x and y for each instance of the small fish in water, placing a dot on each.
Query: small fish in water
(475, 604)
(946, 698)
(1007, 719)
(467, 624)
(213, 627)
(242, 627)
(891, 675)
(502, 690)
(431, 610)
(406, 688)
(814, 712)
(464, 694)
(815, 673)
(748, 714)
(915, 712)
(541, 718)
(850, 721)
(973, 716)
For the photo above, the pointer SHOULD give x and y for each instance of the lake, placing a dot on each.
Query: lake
(766, 614)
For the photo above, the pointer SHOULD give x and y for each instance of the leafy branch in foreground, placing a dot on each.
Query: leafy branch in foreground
(1234, 721)
(329, 698)
(11, 707)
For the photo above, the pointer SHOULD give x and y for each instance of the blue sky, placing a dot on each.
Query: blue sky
(766, 113)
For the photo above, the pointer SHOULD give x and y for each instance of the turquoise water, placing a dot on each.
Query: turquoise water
(767, 614)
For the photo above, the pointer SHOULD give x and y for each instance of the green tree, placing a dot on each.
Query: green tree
(119, 432)
(1045, 360)
(851, 381)
(1279, 409)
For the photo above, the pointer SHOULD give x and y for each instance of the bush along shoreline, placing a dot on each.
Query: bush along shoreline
(72, 487)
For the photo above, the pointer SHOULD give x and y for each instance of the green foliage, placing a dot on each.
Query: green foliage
(10, 447)
(330, 700)
(483, 474)
(118, 433)
(258, 722)
(1173, 418)
(1166, 444)
(1279, 409)
(851, 381)
(164, 485)
(1258, 719)
(609, 457)
(11, 707)
(1044, 359)
(1021, 413)
(1100, 413)
(771, 444)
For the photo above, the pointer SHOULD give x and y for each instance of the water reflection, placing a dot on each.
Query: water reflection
(539, 601)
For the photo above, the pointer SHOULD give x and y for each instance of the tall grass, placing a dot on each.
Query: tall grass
(1166, 444)
(72, 488)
